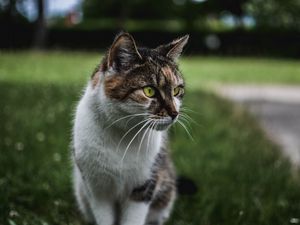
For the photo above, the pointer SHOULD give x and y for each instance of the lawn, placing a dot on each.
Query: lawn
(242, 178)
(76, 67)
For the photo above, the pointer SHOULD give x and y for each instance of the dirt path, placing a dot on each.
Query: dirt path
(278, 110)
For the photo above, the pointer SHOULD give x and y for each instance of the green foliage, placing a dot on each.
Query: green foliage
(266, 13)
(12, 12)
(235, 7)
(188, 11)
(275, 13)
(129, 9)
(242, 177)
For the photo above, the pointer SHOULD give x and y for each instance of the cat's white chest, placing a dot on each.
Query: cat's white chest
(116, 173)
(112, 165)
(129, 167)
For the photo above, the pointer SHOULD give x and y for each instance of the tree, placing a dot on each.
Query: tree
(234, 7)
(120, 10)
(11, 15)
(123, 10)
(275, 13)
(40, 26)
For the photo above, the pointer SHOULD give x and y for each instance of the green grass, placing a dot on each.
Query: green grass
(241, 176)
(76, 67)
(47, 67)
(200, 71)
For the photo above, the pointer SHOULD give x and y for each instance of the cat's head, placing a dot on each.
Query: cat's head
(141, 83)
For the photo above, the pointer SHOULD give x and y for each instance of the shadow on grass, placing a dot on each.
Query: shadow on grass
(241, 176)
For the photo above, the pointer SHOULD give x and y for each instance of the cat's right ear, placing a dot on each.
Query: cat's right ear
(174, 49)
(123, 53)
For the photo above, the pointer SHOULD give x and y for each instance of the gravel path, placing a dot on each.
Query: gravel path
(278, 110)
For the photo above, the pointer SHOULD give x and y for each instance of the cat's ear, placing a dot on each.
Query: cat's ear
(173, 49)
(123, 53)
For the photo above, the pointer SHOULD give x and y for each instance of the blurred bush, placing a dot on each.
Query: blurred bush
(223, 27)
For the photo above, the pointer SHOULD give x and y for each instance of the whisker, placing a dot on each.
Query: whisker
(185, 120)
(184, 109)
(128, 116)
(151, 135)
(144, 135)
(145, 114)
(188, 109)
(187, 131)
(147, 122)
(188, 116)
(190, 119)
(118, 146)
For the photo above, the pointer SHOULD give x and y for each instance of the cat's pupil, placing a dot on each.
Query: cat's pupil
(149, 91)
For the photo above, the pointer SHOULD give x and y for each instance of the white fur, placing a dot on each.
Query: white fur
(135, 213)
(103, 173)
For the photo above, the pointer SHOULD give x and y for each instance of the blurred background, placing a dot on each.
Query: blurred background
(242, 104)
(227, 27)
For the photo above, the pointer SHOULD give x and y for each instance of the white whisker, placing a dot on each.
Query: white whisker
(150, 135)
(147, 122)
(128, 116)
(144, 135)
(187, 131)
(129, 132)
(185, 120)
(145, 114)
(188, 110)
(189, 117)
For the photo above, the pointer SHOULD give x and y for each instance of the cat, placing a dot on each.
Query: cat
(123, 173)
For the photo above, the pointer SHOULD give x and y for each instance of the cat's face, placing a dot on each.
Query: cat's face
(143, 85)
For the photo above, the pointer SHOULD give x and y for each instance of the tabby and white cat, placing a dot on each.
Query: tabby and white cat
(122, 170)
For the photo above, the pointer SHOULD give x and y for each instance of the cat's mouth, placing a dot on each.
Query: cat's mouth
(162, 123)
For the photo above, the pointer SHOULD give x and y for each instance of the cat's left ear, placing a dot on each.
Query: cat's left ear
(173, 49)
(123, 52)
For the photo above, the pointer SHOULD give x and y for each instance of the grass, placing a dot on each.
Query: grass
(76, 67)
(201, 72)
(241, 176)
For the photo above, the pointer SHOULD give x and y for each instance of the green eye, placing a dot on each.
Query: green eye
(149, 91)
(177, 91)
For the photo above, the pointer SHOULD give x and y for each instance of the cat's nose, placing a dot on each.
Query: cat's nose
(173, 114)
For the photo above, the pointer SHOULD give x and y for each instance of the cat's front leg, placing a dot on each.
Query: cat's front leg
(134, 213)
(98, 186)
(103, 211)
(96, 206)
(136, 208)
